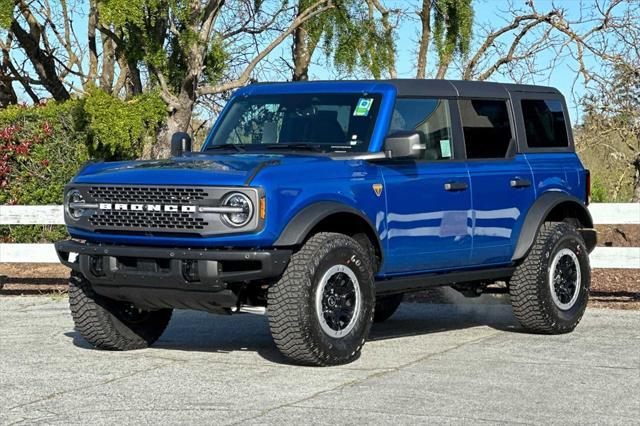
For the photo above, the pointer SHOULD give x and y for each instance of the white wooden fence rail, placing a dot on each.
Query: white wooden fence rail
(602, 257)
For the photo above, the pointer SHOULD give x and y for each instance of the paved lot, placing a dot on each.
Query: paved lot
(428, 364)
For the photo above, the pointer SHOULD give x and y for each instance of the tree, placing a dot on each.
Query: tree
(451, 26)
(354, 34)
(184, 52)
(513, 49)
(609, 137)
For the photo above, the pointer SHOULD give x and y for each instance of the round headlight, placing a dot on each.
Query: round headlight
(74, 198)
(243, 210)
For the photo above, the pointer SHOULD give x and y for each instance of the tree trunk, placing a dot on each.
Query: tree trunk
(636, 181)
(108, 65)
(178, 121)
(7, 94)
(93, 49)
(301, 55)
(444, 66)
(135, 82)
(425, 19)
(42, 62)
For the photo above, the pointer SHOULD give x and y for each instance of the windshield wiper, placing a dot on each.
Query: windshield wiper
(235, 146)
(304, 146)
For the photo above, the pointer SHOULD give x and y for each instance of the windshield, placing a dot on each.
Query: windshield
(319, 122)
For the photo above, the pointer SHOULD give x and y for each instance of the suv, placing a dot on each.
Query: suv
(320, 204)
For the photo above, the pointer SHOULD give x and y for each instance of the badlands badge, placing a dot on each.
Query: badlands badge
(377, 188)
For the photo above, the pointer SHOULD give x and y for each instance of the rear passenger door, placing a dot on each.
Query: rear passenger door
(501, 179)
(545, 137)
(428, 199)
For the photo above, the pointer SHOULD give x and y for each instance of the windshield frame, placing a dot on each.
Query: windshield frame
(383, 91)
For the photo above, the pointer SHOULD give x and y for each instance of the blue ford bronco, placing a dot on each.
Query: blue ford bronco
(320, 204)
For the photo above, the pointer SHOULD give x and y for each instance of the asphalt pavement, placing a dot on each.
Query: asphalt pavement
(428, 364)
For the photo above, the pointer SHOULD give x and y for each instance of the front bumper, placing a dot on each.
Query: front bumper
(161, 277)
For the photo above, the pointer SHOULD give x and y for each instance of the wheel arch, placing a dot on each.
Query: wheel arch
(329, 216)
(555, 207)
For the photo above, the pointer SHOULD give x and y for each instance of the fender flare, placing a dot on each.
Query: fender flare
(299, 227)
(539, 212)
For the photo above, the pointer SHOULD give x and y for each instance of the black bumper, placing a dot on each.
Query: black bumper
(159, 277)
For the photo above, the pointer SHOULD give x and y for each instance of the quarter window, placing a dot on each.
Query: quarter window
(486, 126)
(430, 119)
(544, 123)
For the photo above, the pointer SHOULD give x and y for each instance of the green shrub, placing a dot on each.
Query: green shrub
(117, 128)
(42, 147)
(598, 192)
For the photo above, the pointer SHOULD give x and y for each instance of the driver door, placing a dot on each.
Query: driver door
(428, 199)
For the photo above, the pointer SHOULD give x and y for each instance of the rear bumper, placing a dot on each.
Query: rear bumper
(159, 277)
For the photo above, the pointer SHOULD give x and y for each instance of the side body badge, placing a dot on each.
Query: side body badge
(377, 188)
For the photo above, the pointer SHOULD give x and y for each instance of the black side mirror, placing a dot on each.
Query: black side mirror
(180, 143)
(403, 145)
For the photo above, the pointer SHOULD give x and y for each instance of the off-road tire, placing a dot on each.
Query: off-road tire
(291, 307)
(103, 321)
(529, 288)
(386, 306)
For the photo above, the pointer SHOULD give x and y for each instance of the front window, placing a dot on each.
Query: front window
(319, 122)
(430, 119)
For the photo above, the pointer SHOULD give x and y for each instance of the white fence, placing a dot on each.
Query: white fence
(602, 257)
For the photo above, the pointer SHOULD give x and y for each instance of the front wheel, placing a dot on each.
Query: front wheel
(321, 310)
(110, 324)
(550, 288)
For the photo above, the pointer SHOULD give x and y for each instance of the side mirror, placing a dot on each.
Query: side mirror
(180, 143)
(403, 145)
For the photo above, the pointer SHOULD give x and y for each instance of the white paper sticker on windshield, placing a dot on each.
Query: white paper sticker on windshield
(363, 107)
(445, 148)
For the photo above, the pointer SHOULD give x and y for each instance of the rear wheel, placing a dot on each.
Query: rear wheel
(550, 288)
(111, 324)
(386, 306)
(321, 310)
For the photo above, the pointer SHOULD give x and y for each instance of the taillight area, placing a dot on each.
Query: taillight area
(587, 195)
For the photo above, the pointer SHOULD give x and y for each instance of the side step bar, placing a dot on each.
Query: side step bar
(411, 283)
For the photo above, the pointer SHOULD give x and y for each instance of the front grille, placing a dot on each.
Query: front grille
(153, 221)
(147, 194)
(158, 220)
(168, 210)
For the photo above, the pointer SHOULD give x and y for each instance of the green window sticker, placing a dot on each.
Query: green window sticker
(445, 148)
(363, 107)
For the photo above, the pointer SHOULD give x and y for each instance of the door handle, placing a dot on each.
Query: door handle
(456, 186)
(519, 183)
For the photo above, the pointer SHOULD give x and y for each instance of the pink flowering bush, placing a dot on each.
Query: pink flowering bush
(41, 148)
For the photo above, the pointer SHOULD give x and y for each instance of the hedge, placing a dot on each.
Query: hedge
(43, 146)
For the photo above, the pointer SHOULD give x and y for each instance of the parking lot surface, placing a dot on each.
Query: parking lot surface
(436, 364)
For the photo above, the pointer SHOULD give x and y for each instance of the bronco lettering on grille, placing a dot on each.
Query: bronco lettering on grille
(147, 207)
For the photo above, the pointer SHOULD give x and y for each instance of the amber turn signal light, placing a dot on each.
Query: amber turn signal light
(263, 208)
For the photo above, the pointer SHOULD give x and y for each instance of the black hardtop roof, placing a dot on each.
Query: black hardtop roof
(464, 88)
(446, 88)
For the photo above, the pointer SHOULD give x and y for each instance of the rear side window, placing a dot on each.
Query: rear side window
(544, 123)
(430, 118)
(486, 126)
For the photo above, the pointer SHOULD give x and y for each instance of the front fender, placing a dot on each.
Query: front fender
(299, 227)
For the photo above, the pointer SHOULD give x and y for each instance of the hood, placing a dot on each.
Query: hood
(197, 168)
